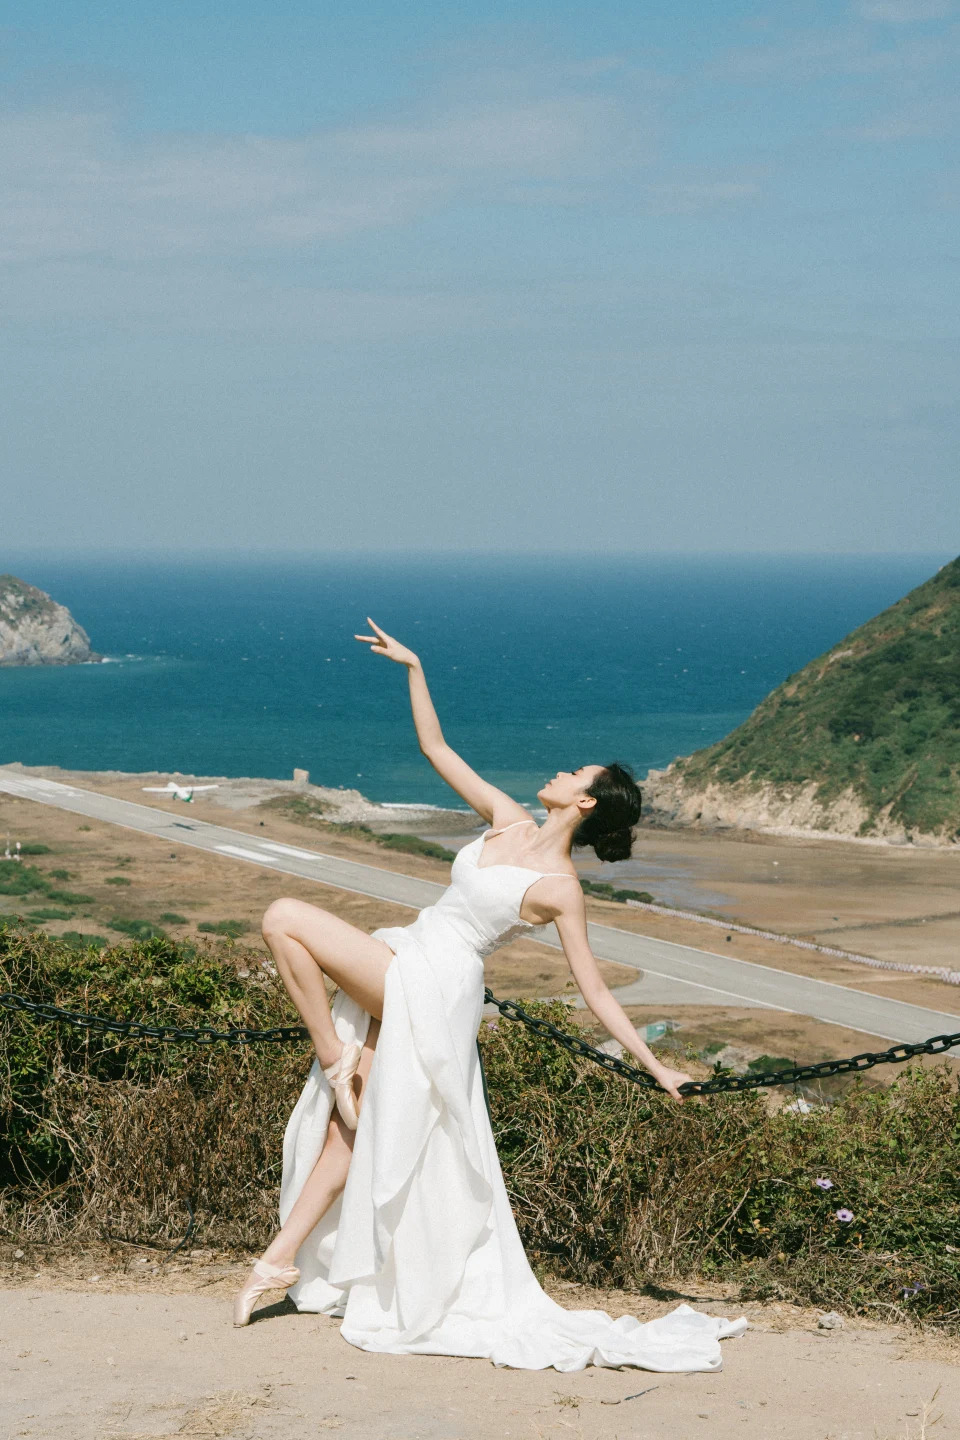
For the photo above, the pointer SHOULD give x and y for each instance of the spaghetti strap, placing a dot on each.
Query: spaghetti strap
(511, 826)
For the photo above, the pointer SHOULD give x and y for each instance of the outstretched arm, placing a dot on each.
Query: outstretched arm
(570, 917)
(493, 804)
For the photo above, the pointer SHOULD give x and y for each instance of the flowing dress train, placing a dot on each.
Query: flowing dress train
(421, 1253)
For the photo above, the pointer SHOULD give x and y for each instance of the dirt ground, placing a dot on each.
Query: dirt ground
(146, 1350)
(895, 902)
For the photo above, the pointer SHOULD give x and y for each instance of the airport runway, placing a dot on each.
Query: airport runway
(671, 974)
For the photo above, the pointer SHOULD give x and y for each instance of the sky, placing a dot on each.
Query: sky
(529, 277)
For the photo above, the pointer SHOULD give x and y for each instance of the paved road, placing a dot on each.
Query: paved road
(671, 974)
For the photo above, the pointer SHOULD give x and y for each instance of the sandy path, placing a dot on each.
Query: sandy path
(86, 1365)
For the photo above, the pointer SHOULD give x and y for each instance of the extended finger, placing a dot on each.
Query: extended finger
(374, 639)
(374, 626)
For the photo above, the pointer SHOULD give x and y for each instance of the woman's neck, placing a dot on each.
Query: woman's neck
(558, 829)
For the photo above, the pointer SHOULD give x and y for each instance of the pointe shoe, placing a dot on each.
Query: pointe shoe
(340, 1077)
(265, 1277)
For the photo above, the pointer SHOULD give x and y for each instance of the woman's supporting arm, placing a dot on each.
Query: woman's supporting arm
(493, 804)
(571, 923)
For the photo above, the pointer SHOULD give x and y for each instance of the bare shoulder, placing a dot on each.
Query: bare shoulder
(553, 897)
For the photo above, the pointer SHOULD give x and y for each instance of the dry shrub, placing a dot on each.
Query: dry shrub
(610, 1184)
(105, 1137)
(613, 1184)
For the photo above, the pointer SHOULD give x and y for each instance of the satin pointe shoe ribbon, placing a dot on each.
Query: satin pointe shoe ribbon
(340, 1079)
(265, 1277)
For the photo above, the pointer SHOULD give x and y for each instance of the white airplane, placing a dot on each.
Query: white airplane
(178, 792)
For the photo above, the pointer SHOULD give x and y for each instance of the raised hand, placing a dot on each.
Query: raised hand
(383, 644)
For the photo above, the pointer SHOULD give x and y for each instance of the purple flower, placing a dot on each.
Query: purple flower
(912, 1290)
(493, 1024)
(823, 1183)
(844, 1216)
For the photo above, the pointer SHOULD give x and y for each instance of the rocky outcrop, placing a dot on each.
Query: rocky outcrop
(35, 630)
(669, 800)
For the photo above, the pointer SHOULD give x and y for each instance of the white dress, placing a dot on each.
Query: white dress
(421, 1254)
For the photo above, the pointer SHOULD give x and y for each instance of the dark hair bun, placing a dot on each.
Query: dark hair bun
(608, 827)
(615, 845)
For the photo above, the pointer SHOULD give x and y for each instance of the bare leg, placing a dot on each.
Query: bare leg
(327, 1178)
(308, 943)
(324, 1183)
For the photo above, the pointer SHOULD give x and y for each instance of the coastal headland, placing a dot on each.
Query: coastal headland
(863, 743)
(35, 630)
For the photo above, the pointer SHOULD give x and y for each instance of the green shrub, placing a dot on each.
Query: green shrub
(60, 875)
(769, 1064)
(137, 929)
(78, 941)
(21, 879)
(170, 917)
(117, 880)
(49, 912)
(414, 845)
(69, 897)
(34, 849)
(231, 929)
(305, 811)
(604, 891)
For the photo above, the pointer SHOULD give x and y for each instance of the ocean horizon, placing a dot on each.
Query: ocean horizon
(247, 665)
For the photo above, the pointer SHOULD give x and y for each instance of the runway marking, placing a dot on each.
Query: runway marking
(290, 850)
(241, 854)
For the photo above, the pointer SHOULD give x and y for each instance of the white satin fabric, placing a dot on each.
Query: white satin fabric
(422, 1255)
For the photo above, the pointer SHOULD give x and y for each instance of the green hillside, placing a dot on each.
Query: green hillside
(879, 714)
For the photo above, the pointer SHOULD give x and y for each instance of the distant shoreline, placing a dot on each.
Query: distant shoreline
(336, 804)
(343, 806)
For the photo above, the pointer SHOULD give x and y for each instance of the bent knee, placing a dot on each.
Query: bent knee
(281, 917)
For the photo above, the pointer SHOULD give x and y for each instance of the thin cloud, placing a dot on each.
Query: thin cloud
(840, 51)
(692, 197)
(904, 12)
(927, 119)
(76, 183)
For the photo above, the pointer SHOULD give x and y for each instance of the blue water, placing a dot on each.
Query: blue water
(248, 666)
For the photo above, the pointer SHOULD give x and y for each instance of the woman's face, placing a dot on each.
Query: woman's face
(567, 786)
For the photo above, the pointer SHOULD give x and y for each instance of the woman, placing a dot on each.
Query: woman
(392, 1200)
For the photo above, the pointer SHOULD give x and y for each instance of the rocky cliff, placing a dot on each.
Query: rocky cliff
(35, 630)
(864, 741)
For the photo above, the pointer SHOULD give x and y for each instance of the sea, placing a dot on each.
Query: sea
(247, 666)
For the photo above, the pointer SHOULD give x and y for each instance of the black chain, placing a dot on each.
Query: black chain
(937, 1045)
(206, 1035)
(139, 1030)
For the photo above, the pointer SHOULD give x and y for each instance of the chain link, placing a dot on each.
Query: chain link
(544, 1029)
